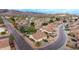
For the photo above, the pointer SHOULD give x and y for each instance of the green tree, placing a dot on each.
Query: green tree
(51, 21)
(44, 24)
(11, 37)
(76, 19)
(57, 19)
(31, 30)
(45, 40)
(22, 29)
(11, 42)
(32, 24)
(12, 19)
(1, 21)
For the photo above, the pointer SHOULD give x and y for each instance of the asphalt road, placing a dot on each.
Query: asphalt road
(20, 41)
(25, 46)
(60, 41)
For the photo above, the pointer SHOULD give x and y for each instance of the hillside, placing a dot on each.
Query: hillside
(15, 12)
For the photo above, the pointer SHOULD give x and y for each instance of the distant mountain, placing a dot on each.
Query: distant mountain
(3, 10)
(15, 12)
(52, 11)
(32, 13)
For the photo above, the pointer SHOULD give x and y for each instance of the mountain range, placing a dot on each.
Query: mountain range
(52, 11)
(38, 12)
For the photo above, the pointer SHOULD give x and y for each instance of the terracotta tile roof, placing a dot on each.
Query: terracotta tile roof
(78, 44)
(78, 35)
(50, 27)
(4, 43)
(39, 35)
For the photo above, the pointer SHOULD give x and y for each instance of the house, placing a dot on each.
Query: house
(7, 17)
(23, 22)
(4, 40)
(38, 36)
(77, 36)
(78, 40)
(4, 44)
(2, 29)
(49, 28)
(4, 32)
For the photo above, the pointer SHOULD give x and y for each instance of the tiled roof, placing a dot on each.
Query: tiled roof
(39, 35)
(4, 43)
(50, 27)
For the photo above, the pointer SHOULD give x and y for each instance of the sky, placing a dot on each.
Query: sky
(52, 11)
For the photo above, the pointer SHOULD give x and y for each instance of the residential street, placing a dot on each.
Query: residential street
(22, 44)
(60, 41)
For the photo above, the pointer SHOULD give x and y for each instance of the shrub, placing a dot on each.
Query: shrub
(51, 21)
(11, 37)
(76, 19)
(1, 21)
(2, 33)
(44, 24)
(57, 19)
(45, 40)
(32, 40)
(12, 18)
(22, 29)
(32, 24)
(31, 30)
(38, 44)
(73, 39)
